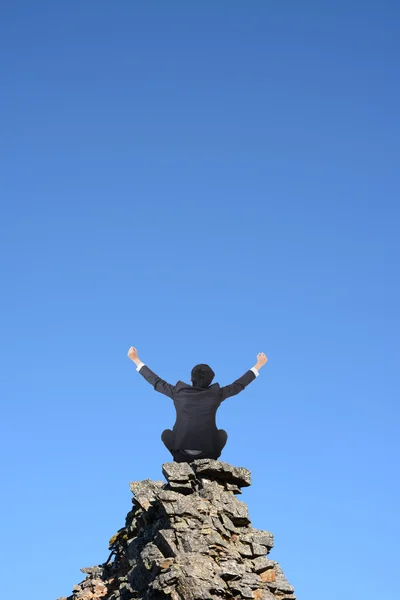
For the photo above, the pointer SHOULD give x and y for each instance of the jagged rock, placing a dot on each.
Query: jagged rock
(151, 556)
(258, 549)
(222, 471)
(263, 595)
(262, 563)
(243, 590)
(230, 569)
(183, 488)
(217, 524)
(94, 571)
(144, 492)
(180, 472)
(236, 510)
(166, 542)
(190, 541)
(233, 488)
(228, 523)
(189, 538)
(281, 582)
(252, 580)
(256, 536)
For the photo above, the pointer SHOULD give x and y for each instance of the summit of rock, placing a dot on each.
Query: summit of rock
(189, 538)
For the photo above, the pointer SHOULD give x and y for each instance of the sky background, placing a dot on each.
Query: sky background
(205, 181)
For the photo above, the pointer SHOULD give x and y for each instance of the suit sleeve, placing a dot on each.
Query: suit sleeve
(237, 386)
(159, 384)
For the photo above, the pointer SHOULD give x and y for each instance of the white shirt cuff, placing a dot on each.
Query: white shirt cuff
(140, 365)
(255, 371)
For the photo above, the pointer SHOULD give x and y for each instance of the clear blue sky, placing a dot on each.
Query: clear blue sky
(205, 181)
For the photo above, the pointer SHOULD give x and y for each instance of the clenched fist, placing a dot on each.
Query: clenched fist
(262, 359)
(133, 354)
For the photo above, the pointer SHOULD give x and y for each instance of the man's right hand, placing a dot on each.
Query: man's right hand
(261, 360)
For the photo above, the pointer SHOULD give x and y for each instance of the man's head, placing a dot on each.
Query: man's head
(202, 376)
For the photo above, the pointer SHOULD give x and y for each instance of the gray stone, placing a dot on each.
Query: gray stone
(159, 483)
(282, 583)
(262, 563)
(233, 488)
(125, 591)
(265, 595)
(236, 510)
(134, 548)
(145, 492)
(168, 496)
(257, 536)
(228, 523)
(180, 506)
(259, 550)
(151, 556)
(182, 488)
(199, 576)
(168, 578)
(178, 472)
(211, 491)
(221, 471)
(166, 542)
(179, 524)
(244, 549)
(191, 541)
(219, 527)
(96, 571)
(244, 590)
(252, 580)
(215, 539)
(231, 569)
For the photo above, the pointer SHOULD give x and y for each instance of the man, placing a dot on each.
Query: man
(195, 434)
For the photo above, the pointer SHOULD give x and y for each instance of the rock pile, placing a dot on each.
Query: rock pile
(188, 539)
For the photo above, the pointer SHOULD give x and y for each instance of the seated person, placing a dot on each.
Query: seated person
(195, 434)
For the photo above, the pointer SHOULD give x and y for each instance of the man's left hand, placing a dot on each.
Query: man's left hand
(133, 354)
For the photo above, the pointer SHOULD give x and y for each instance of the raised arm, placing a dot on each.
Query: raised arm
(159, 384)
(238, 386)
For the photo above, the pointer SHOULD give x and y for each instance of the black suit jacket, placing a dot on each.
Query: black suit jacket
(195, 426)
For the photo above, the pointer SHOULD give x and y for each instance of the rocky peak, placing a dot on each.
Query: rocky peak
(188, 539)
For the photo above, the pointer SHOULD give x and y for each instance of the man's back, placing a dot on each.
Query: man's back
(195, 426)
(196, 407)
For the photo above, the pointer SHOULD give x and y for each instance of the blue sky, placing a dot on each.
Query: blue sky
(205, 181)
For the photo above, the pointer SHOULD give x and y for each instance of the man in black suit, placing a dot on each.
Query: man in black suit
(195, 434)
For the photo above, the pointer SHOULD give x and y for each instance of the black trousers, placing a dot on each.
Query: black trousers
(167, 437)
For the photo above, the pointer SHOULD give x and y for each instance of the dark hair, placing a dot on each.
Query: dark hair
(202, 376)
